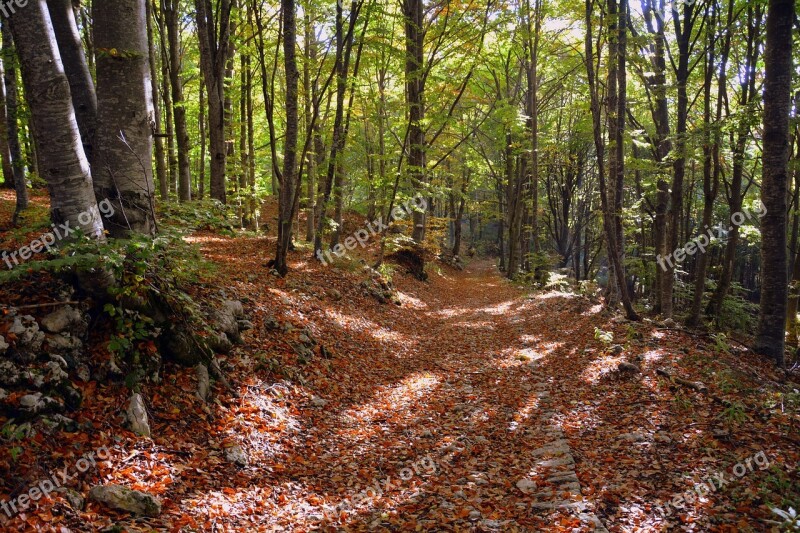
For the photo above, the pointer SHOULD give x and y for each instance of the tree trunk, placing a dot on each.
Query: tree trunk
(166, 94)
(158, 142)
(711, 163)
(742, 136)
(5, 150)
(214, 38)
(123, 165)
(201, 120)
(12, 115)
(415, 99)
(170, 9)
(63, 165)
(770, 336)
(289, 173)
(309, 98)
(81, 85)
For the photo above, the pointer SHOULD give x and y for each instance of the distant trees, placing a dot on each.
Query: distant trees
(602, 147)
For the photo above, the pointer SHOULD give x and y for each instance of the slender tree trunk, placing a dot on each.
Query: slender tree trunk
(201, 120)
(289, 173)
(213, 30)
(123, 167)
(742, 136)
(344, 43)
(63, 165)
(81, 85)
(415, 99)
(12, 124)
(770, 335)
(309, 97)
(166, 94)
(5, 150)
(158, 142)
(170, 10)
(711, 164)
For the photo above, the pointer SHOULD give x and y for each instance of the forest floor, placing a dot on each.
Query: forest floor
(475, 405)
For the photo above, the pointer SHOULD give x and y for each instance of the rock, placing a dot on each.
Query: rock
(73, 497)
(617, 349)
(219, 343)
(271, 323)
(181, 346)
(37, 403)
(629, 367)
(235, 308)
(526, 486)
(137, 416)
(54, 357)
(304, 353)
(64, 319)
(669, 323)
(203, 382)
(54, 373)
(66, 345)
(633, 437)
(236, 455)
(72, 396)
(10, 375)
(3, 346)
(244, 325)
(334, 295)
(325, 353)
(83, 373)
(55, 422)
(28, 339)
(663, 437)
(125, 499)
(316, 401)
(225, 320)
(3, 394)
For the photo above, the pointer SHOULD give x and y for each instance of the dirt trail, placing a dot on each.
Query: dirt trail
(443, 407)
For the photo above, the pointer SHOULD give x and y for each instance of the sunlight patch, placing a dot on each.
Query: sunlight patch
(601, 368)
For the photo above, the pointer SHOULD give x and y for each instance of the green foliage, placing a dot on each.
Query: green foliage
(721, 343)
(556, 281)
(606, 337)
(682, 402)
(145, 277)
(737, 314)
(734, 414)
(12, 433)
(198, 215)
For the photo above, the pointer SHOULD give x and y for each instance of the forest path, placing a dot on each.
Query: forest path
(445, 406)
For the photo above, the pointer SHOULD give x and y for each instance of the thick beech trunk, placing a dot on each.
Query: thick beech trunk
(123, 161)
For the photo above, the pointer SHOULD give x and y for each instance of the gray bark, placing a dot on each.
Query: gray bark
(63, 165)
(81, 85)
(123, 163)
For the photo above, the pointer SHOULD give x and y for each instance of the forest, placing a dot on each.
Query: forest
(400, 265)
